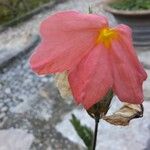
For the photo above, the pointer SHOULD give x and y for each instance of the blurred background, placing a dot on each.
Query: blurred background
(33, 116)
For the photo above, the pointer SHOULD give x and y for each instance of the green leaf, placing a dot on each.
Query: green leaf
(85, 133)
(131, 4)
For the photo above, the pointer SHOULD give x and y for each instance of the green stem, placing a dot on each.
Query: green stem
(95, 132)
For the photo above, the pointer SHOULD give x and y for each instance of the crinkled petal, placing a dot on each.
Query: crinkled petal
(66, 38)
(91, 79)
(127, 71)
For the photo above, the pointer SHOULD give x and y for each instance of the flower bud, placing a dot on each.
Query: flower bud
(101, 108)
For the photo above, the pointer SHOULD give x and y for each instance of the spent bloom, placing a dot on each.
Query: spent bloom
(96, 57)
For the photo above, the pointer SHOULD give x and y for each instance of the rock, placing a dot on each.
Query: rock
(49, 148)
(144, 58)
(44, 79)
(8, 91)
(2, 121)
(7, 100)
(109, 136)
(27, 81)
(2, 115)
(15, 139)
(147, 86)
(41, 109)
(4, 109)
(1, 105)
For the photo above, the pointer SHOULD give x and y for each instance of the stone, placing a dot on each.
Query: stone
(2, 121)
(4, 109)
(41, 109)
(144, 58)
(1, 105)
(128, 138)
(147, 86)
(7, 100)
(27, 81)
(44, 79)
(15, 139)
(49, 148)
(8, 91)
(2, 115)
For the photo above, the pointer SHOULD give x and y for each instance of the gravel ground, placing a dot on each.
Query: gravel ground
(31, 102)
(20, 34)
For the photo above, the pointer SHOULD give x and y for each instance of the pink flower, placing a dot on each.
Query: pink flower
(96, 57)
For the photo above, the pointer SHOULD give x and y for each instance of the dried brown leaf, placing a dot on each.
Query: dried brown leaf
(125, 114)
(61, 80)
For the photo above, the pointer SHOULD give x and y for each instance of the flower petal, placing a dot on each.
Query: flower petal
(66, 38)
(126, 41)
(91, 79)
(128, 73)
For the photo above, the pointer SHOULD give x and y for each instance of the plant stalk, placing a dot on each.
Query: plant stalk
(95, 132)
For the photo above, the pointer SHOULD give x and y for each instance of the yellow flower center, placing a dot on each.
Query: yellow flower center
(105, 36)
